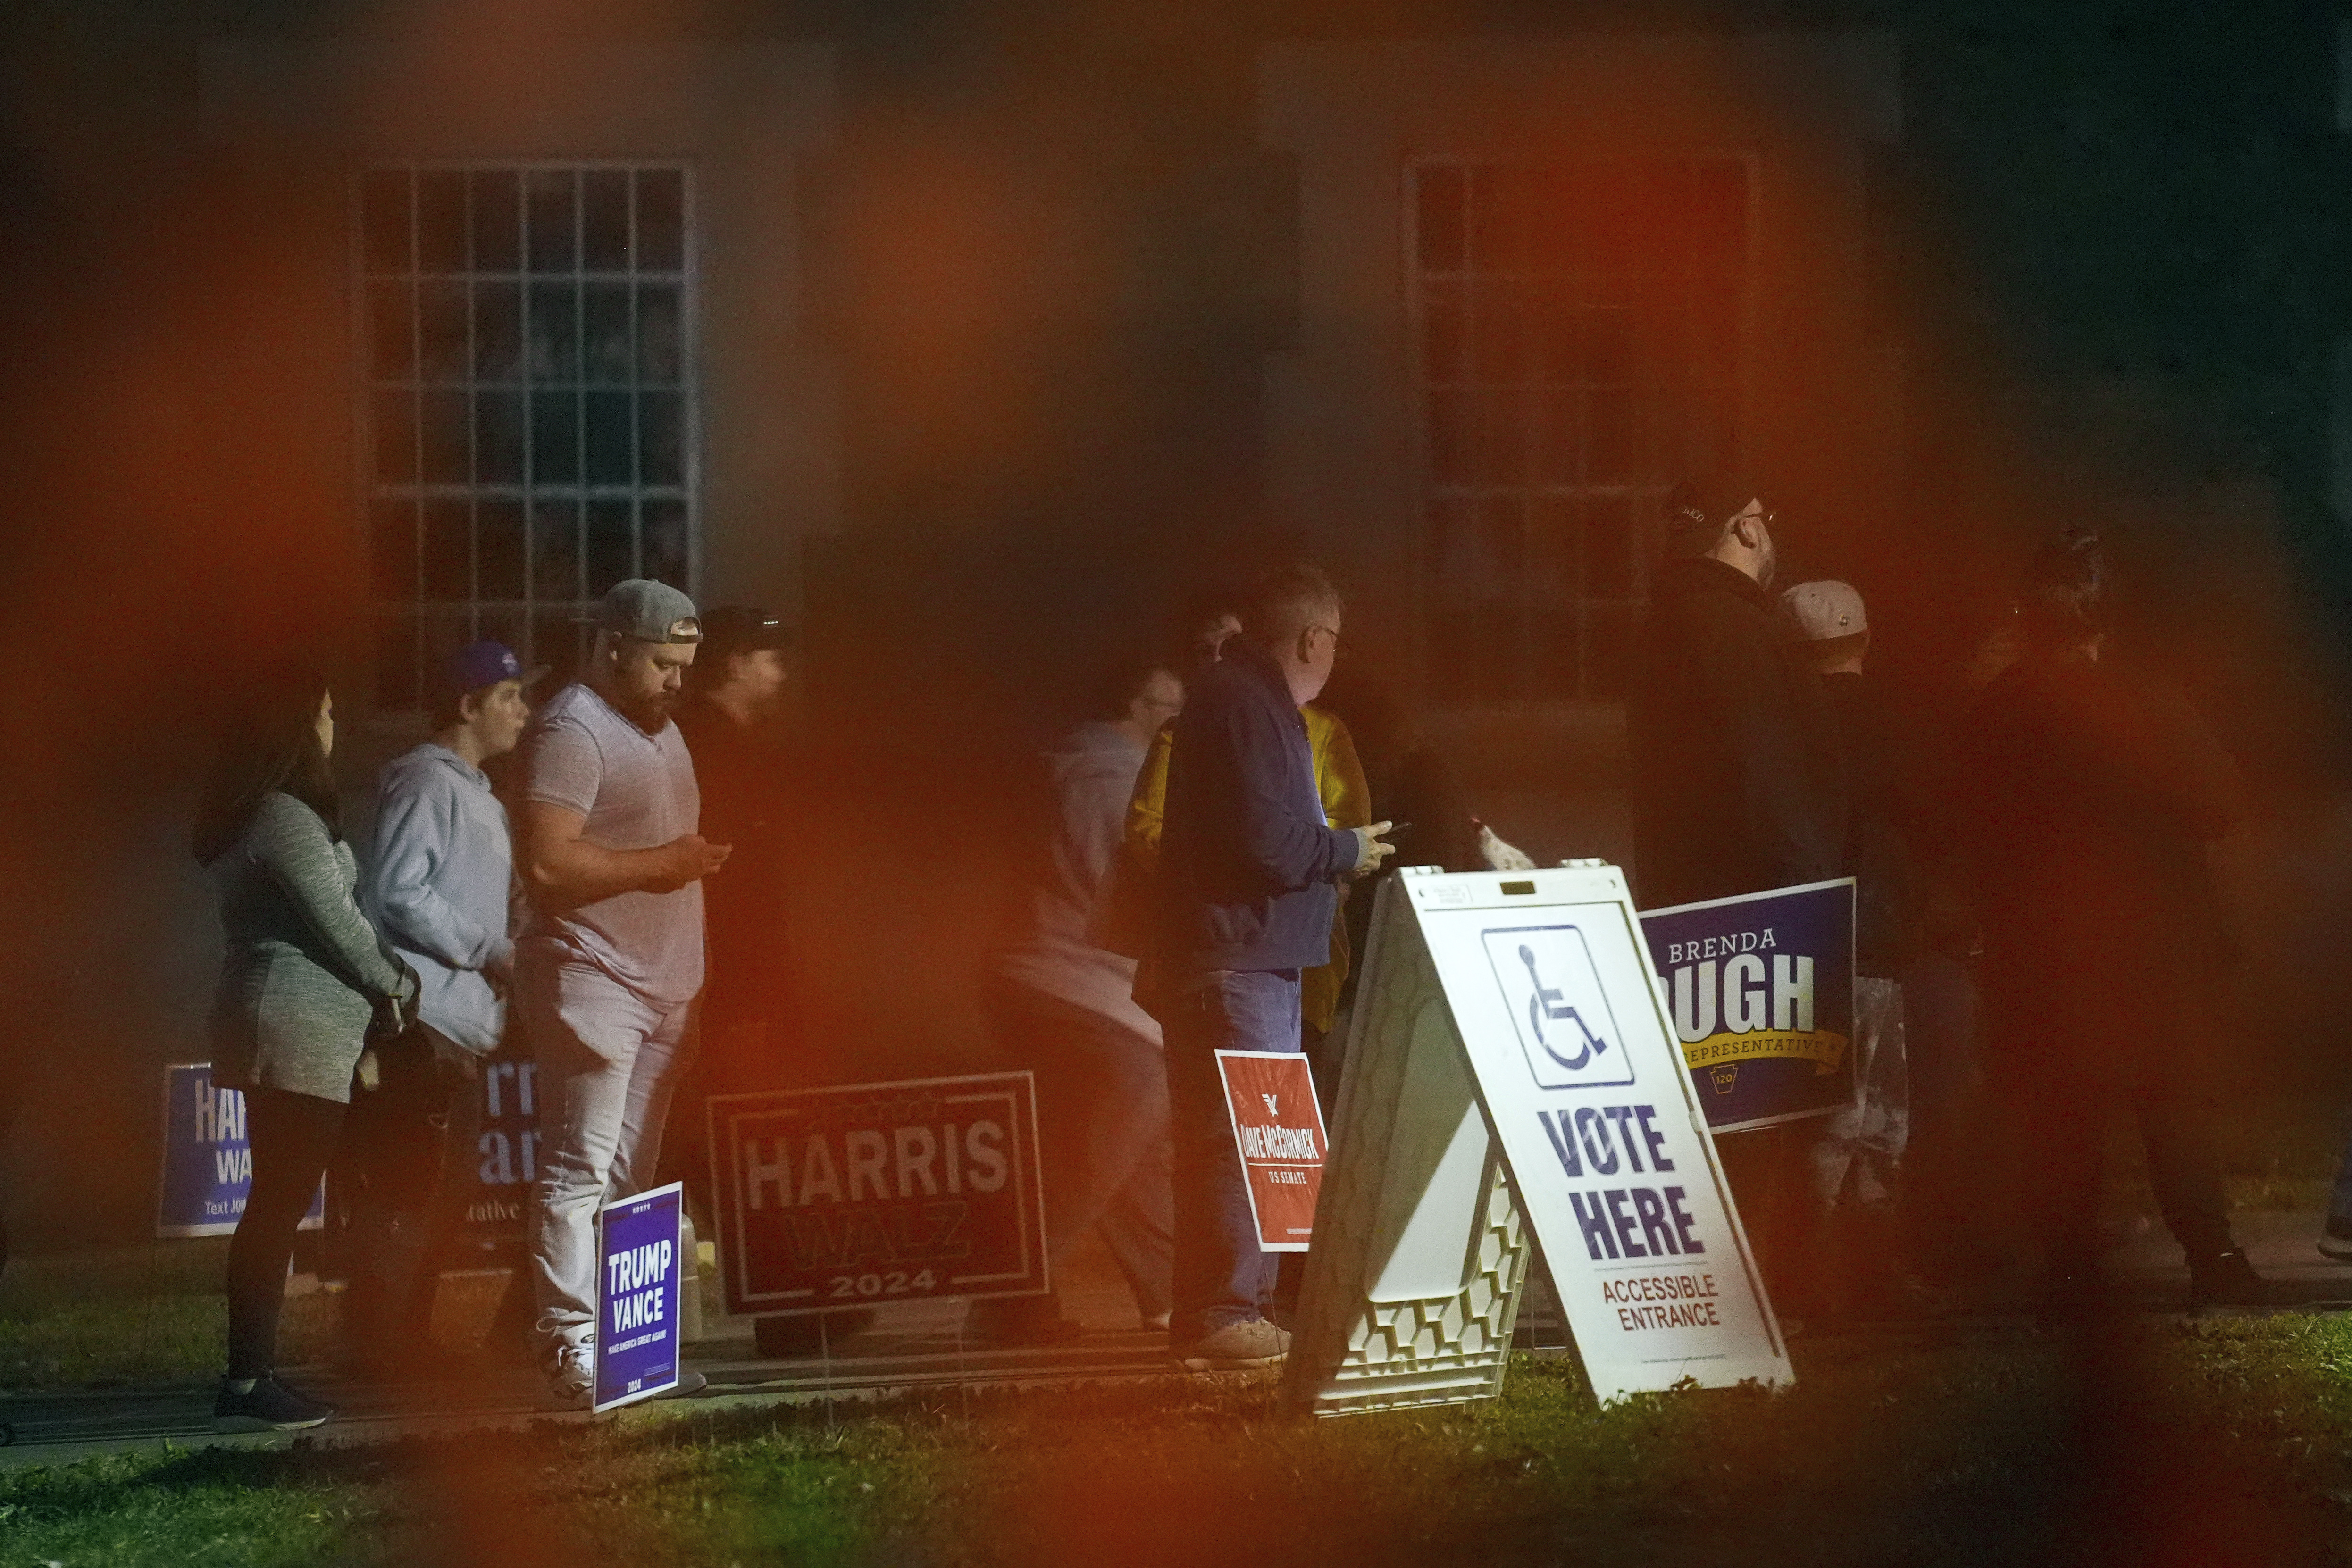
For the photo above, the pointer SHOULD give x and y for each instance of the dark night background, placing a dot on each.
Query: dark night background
(2108, 249)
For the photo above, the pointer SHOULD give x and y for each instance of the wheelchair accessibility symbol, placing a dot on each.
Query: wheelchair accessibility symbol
(1566, 1029)
(1546, 1004)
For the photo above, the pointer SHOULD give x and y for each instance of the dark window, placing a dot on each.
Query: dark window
(530, 403)
(1579, 335)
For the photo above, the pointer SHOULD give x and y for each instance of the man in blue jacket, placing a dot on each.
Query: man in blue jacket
(1246, 893)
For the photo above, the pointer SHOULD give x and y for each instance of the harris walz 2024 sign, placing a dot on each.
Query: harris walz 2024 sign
(1760, 989)
(844, 1197)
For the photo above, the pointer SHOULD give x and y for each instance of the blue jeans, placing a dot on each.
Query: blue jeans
(1222, 1277)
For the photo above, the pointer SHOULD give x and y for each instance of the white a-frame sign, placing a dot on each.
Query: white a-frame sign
(1513, 1075)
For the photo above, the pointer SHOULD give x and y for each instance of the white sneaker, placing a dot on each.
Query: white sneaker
(572, 1378)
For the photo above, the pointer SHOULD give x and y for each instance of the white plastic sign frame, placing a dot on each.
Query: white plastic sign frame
(1512, 1067)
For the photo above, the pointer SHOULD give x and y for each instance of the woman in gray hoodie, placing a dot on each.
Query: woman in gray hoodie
(303, 977)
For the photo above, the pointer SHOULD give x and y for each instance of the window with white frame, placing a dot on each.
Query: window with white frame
(529, 335)
(1578, 331)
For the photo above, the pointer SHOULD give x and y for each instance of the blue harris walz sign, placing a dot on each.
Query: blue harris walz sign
(640, 1267)
(1760, 989)
(207, 1156)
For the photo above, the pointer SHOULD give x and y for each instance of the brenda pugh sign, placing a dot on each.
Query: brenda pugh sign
(1762, 988)
(1511, 1067)
(842, 1196)
(1279, 1133)
(207, 1160)
(640, 1268)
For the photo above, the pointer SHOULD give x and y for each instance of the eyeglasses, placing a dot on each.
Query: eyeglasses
(1340, 647)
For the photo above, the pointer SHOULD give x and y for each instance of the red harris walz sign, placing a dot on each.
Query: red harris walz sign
(842, 1196)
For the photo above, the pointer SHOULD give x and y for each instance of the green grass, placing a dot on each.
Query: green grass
(143, 1316)
(2208, 1443)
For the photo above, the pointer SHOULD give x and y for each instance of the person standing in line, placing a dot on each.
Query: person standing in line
(751, 1028)
(1859, 1156)
(1246, 896)
(1736, 783)
(1736, 786)
(751, 1011)
(304, 982)
(439, 884)
(611, 961)
(2095, 793)
(1347, 797)
(1064, 1005)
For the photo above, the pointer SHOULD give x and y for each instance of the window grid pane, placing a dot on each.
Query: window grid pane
(1578, 333)
(530, 408)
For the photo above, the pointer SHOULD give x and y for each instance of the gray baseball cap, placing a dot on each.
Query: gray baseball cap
(649, 611)
(1824, 611)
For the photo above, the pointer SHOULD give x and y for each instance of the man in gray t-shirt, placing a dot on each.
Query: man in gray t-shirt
(610, 960)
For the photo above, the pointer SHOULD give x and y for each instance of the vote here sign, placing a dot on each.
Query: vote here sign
(1547, 984)
(640, 1270)
(208, 1159)
(1278, 1133)
(1762, 992)
(844, 1197)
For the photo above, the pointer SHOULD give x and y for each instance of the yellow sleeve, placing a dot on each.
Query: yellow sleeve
(1146, 808)
(1347, 803)
(1339, 771)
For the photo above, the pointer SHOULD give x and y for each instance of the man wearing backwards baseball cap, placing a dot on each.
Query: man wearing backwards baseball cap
(440, 870)
(610, 960)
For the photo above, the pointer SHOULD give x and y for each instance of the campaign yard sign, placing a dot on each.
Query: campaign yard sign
(1278, 1135)
(1762, 988)
(844, 1197)
(503, 1115)
(1511, 1067)
(640, 1271)
(208, 1159)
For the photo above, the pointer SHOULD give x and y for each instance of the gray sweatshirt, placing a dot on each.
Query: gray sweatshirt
(1094, 771)
(439, 880)
(303, 969)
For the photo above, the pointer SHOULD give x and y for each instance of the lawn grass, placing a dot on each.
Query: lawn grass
(2213, 1443)
(135, 1317)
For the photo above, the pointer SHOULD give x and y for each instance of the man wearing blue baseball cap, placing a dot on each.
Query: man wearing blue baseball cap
(440, 870)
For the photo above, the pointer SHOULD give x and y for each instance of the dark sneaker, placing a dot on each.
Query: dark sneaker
(1236, 1347)
(270, 1407)
(2336, 1241)
(2226, 1279)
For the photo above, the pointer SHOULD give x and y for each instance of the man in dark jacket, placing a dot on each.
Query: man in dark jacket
(1736, 788)
(2105, 948)
(1248, 872)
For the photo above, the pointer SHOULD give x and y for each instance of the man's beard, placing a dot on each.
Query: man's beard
(651, 713)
